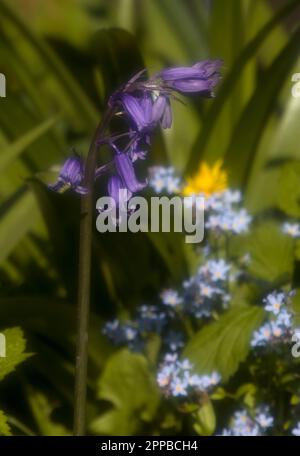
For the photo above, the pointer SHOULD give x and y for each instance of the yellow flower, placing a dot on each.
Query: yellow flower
(208, 180)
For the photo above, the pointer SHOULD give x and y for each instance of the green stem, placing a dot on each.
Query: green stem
(84, 280)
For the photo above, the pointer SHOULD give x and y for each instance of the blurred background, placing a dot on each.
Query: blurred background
(62, 59)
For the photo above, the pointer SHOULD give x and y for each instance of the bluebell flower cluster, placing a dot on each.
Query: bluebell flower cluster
(144, 104)
(244, 424)
(279, 327)
(177, 378)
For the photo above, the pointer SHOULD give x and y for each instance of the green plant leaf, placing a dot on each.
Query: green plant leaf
(271, 253)
(15, 149)
(67, 83)
(205, 419)
(201, 148)
(16, 222)
(15, 351)
(222, 345)
(42, 410)
(4, 426)
(246, 137)
(126, 383)
(288, 198)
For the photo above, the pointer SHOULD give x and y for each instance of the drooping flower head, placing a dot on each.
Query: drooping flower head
(201, 78)
(144, 104)
(71, 176)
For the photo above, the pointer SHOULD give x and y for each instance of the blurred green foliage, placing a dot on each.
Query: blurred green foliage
(61, 60)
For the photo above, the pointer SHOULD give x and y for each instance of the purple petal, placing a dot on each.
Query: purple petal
(159, 107)
(146, 105)
(126, 171)
(195, 85)
(135, 110)
(72, 171)
(166, 121)
(207, 68)
(172, 74)
(117, 191)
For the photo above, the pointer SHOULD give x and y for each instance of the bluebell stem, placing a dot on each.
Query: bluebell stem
(144, 104)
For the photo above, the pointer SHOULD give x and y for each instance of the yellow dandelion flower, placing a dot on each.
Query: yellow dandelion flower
(208, 180)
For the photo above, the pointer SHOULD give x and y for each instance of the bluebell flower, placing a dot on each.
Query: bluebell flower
(125, 171)
(200, 78)
(116, 190)
(71, 176)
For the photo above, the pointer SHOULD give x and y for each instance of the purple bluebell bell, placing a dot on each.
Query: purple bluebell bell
(162, 112)
(200, 78)
(139, 110)
(70, 176)
(125, 171)
(145, 113)
(117, 191)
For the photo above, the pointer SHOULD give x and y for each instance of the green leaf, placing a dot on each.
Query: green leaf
(224, 344)
(128, 385)
(42, 410)
(117, 53)
(183, 24)
(4, 426)
(15, 149)
(69, 86)
(271, 253)
(16, 222)
(210, 127)
(288, 199)
(248, 132)
(205, 419)
(15, 351)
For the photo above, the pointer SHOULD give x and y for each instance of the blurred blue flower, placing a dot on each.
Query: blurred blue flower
(296, 430)
(274, 301)
(291, 229)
